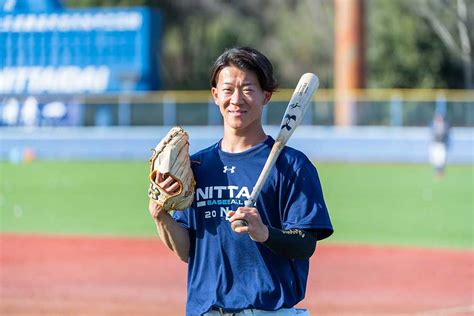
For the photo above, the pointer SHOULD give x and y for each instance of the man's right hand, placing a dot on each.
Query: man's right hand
(170, 186)
(154, 209)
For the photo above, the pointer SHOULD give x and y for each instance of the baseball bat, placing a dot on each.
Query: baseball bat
(299, 102)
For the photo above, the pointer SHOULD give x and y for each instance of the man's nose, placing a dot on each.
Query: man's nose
(236, 97)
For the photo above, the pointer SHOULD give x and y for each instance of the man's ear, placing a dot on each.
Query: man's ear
(267, 95)
(214, 95)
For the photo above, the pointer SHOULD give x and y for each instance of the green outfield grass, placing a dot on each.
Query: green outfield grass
(368, 203)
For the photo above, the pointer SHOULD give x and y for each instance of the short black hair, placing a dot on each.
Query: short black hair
(246, 58)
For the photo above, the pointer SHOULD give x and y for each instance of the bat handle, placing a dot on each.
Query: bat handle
(242, 222)
(249, 203)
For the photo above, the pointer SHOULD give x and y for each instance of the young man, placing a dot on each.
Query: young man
(261, 268)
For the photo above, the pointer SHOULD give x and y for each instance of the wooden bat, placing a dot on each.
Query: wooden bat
(299, 102)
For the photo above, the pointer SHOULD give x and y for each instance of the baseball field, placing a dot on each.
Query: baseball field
(76, 239)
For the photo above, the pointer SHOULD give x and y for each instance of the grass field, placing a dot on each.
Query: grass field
(373, 204)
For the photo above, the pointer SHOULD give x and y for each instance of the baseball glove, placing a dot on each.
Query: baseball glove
(171, 158)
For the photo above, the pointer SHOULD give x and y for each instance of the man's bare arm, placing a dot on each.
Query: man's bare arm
(173, 235)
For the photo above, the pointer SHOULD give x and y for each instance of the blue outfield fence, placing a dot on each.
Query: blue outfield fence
(321, 144)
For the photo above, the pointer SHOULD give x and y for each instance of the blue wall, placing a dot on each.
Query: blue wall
(79, 51)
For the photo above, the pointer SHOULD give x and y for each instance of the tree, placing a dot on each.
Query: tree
(452, 21)
(404, 51)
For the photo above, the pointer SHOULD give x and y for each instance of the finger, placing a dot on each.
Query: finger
(247, 210)
(236, 218)
(236, 215)
(241, 212)
(242, 209)
(174, 188)
(240, 229)
(239, 223)
(154, 208)
(159, 177)
(167, 182)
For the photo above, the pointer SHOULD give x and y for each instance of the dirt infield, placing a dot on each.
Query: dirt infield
(43, 275)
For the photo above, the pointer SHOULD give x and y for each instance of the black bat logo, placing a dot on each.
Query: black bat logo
(295, 105)
(288, 118)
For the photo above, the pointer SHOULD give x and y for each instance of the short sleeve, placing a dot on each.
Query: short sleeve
(182, 217)
(303, 203)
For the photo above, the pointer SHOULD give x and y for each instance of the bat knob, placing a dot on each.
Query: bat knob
(239, 223)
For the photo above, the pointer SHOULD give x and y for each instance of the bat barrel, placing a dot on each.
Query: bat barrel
(299, 102)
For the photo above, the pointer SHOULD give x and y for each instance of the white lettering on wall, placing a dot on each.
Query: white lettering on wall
(63, 22)
(66, 79)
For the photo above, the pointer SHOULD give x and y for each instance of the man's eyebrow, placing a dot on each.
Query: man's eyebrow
(246, 83)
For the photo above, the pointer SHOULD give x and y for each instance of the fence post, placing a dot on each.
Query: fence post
(128, 82)
(396, 110)
(308, 116)
(169, 111)
(77, 108)
(265, 114)
(441, 104)
(124, 110)
(213, 115)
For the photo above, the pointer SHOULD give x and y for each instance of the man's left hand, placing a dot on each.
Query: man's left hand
(256, 229)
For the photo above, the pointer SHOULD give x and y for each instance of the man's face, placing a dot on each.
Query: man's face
(240, 98)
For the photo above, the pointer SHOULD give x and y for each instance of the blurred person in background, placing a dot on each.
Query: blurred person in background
(440, 131)
(260, 268)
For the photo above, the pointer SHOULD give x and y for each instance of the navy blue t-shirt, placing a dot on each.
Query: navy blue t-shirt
(229, 270)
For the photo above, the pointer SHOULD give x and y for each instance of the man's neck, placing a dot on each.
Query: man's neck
(235, 142)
